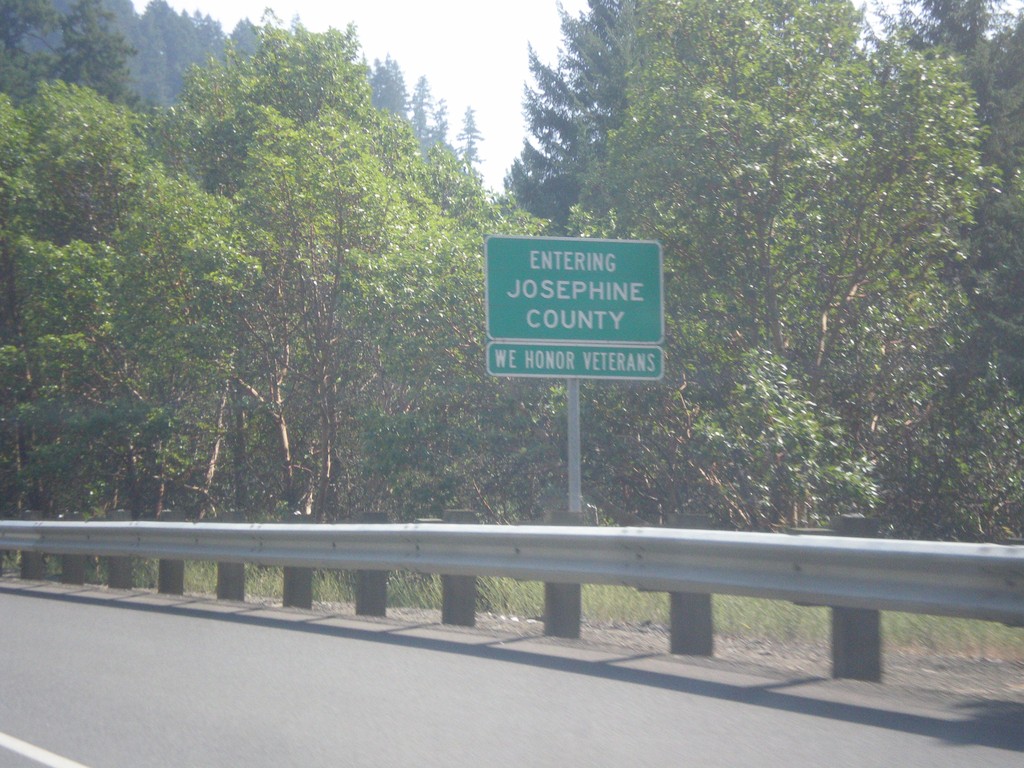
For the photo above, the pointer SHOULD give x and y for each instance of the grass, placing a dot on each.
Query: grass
(734, 616)
(780, 621)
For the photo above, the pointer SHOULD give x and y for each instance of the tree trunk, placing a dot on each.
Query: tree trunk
(773, 319)
(238, 452)
(328, 434)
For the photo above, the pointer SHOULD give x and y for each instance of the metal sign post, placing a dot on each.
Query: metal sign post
(575, 479)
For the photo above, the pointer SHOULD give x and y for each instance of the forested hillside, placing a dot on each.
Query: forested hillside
(268, 299)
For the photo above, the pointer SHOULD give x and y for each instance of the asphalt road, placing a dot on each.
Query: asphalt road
(109, 680)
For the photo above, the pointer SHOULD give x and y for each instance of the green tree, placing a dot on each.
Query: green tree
(273, 307)
(991, 49)
(15, 189)
(429, 119)
(92, 53)
(960, 467)
(960, 25)
(469, 139)
(358, 376)
(221, 106)
(25, 57)
(56, 299)
(333, 210)
(778, 454)
(245, 38)
(87, 164)
(809, 193)
(116, 284)
(167, 44)
(177, 274)
(388, 84)
(573, 109)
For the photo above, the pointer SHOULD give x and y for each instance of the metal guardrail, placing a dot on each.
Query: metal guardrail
(980, 581)
(856, 577)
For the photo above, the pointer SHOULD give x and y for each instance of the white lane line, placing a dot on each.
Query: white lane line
(38, 754)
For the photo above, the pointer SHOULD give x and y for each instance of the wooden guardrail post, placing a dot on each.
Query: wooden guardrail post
(298, 587)
(119, 569)
(170, 579)
(372, 586)
(563, 603)
(458, 593)
(691, 623)
(72, 567)
(231, 581)
(563, 610)
(856, 632)
(231, 576)
(33, 566)
(298, 583)
(3, 553)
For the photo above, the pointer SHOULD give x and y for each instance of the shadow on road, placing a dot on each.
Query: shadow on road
(996, 724)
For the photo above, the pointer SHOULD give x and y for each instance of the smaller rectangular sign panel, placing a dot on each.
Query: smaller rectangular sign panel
(583, 361)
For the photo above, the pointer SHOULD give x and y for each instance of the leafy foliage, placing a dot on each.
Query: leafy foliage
(774, 453)
(267, 299)
(811, 194)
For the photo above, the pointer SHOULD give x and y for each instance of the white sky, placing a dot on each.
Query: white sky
(473, 53)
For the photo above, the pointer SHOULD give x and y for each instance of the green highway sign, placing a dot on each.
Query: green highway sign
(574, 290)
(582, 361)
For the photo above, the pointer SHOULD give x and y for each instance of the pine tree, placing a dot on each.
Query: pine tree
(388, 85)
(24, 59)
(429, 120)
(169, 43)
(960, 25)
(244, 38)
(439, 124)
(469, 139)
(92, 53)
(420, 109)
(573, 108)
